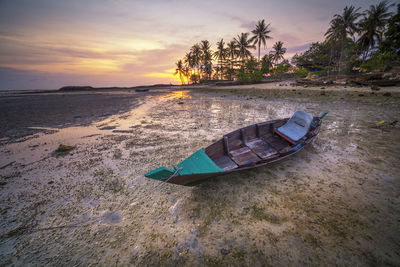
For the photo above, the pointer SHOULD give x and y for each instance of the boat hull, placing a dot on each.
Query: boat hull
(193, 179)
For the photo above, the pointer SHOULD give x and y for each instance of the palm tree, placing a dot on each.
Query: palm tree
(189, 64)
(243, 45)
(220, 54)
(278, 52)
(392, 35)
(333, 37)
(206, 55)
(373, 25)
(343, 25)
(260, 35)
(334, 33)
(266, 62)
(181, 70)
(195, 50)
(232, 53)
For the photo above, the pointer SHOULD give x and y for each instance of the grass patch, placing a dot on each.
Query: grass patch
(64, 148)
(258, 213)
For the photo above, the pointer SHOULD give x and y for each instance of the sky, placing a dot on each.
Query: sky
(47, 44)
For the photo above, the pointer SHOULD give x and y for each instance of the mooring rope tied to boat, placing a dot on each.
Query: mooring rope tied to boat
(173, 175)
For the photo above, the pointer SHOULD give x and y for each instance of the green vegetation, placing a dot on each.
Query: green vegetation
(233, 59)
(259, 214)
(380, 61)
(250, 73)
(354, 42)
(302, 72)
(64, 148)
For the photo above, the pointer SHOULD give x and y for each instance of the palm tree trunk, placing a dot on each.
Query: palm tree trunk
(220, 61)
(341, 56)
(365, 54)
(230, 74)
(259, 43)
(340, 59)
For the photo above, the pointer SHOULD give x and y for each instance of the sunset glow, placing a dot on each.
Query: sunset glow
(48, 44)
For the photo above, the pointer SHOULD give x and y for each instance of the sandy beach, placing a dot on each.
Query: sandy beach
(334, 203)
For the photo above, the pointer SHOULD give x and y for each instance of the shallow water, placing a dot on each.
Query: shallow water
(336, 202)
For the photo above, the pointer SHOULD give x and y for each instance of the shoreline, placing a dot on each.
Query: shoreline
(332, 203)
(21, 113)
(78, 107)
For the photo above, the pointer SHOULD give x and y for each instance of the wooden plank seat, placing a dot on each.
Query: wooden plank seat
(262, 149)
(225, 163)
(244, 156)
(277, 142)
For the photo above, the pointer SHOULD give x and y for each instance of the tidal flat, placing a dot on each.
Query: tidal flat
(337, 202)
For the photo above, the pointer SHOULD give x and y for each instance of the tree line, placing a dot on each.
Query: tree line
(232, 59)
(355, 41)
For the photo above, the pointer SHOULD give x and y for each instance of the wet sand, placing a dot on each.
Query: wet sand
(335, 203)
(20, 111)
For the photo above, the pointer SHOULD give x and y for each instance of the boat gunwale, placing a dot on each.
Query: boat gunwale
(193, 178)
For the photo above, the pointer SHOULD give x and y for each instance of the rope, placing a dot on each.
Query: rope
(173, 175)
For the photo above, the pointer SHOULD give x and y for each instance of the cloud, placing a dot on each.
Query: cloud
(131, 67)
(247, 25)
(14, 79)
(50, 57)
(298, 48)
(132, 42)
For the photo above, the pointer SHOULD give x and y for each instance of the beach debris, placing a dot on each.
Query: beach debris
(383, 125)
(375, 88)
(108, 128)
(370, 79)
(8, 164)
(225, 251)
(180, 103)
(64, 148)
(379, 123)
(387, 94)
(176, 208)
(124, 131)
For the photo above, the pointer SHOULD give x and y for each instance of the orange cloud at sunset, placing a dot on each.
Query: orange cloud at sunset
(49, 44)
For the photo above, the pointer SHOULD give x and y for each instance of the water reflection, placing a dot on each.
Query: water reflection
(215, 108)
(175, 95)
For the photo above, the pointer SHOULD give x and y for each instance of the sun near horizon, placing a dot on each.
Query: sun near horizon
(49, 44)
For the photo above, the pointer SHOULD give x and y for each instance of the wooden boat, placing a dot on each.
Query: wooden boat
(246, 148)
(142, 90)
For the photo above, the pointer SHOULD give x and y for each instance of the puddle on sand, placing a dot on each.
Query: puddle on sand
(40, 145)
(108, 217)
(176, 95)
